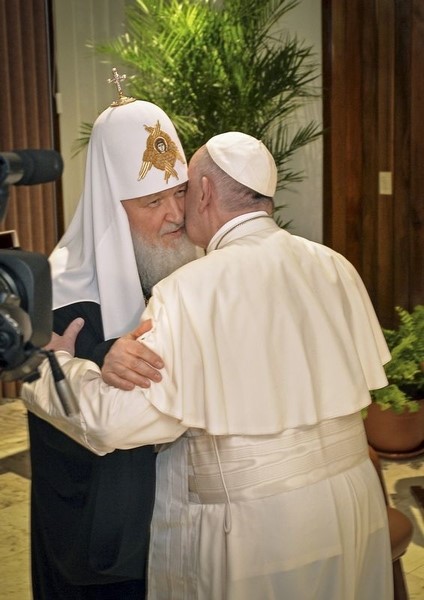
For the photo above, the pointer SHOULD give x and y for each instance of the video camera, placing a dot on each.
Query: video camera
(25, 312)
(25, 283)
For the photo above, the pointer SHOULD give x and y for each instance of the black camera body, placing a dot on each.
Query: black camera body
(26, 319)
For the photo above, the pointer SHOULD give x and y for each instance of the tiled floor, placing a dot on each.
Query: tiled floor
(400, 476)
(14, 508)
(14, 503)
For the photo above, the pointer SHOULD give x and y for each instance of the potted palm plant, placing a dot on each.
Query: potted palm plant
(395, 420)
(218, 66)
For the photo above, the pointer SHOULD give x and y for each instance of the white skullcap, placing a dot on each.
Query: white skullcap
(245, 159)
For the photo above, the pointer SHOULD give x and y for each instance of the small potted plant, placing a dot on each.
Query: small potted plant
(395, 420)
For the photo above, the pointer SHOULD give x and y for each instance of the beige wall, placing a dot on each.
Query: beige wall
(82, 78)
(304, 202)
(84, 93)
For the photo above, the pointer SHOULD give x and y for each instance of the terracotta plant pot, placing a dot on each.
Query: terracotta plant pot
(395, 433)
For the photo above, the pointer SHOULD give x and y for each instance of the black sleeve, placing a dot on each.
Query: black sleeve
(90, 342)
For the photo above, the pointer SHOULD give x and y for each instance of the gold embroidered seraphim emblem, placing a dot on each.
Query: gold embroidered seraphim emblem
(161, 152)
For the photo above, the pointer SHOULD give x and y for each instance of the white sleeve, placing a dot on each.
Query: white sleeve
(108, 419)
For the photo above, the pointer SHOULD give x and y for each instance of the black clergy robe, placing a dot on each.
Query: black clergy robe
(90, 515)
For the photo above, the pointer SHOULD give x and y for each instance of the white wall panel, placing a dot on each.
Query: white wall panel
(304, 202)
(82, 78)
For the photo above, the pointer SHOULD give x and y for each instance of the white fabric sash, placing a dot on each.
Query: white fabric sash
(248, 468)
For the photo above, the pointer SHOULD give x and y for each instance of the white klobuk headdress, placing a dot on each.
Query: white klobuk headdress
(134, 151)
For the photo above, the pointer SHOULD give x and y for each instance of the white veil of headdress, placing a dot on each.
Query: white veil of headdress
(94, 260)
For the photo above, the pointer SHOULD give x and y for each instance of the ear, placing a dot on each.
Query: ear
(206, 194)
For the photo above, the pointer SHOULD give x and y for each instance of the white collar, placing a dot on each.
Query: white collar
(215, 242)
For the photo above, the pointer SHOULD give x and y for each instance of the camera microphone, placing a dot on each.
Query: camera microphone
(63, 389)
(29, 167)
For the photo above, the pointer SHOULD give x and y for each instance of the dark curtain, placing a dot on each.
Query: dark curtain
(28, 121)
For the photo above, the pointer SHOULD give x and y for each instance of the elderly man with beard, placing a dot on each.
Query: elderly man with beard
(90, 515)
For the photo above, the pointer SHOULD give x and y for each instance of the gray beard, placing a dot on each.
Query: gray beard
(156, 262)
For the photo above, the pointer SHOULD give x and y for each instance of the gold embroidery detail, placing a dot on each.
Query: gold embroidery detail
(161, 152)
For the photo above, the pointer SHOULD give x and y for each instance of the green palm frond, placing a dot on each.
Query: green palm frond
(221, 66)
(82, 141)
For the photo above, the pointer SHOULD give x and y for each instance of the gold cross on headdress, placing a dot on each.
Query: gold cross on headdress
(116, 79)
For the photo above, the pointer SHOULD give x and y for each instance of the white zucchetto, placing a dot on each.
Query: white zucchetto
(245, 159)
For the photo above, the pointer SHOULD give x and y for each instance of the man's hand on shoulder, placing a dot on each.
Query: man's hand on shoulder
(130, 363)
(67, 340)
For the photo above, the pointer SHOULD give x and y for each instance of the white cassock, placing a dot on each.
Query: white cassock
(271, 346)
